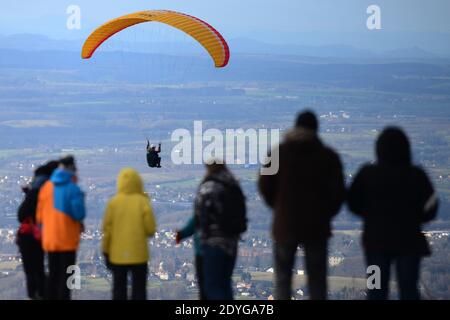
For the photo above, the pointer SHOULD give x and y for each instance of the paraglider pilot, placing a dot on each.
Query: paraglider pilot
(153, 159)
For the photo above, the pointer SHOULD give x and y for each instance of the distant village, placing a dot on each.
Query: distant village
(245, 286)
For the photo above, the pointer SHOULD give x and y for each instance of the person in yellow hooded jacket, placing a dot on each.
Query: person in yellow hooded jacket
(127, 224)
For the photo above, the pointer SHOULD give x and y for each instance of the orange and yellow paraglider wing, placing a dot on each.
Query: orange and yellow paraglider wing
(201, 31)
(106, 31)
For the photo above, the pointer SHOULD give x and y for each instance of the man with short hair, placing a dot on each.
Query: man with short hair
(305, 194)
(60, 211)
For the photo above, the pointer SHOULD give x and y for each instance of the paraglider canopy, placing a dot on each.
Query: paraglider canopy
(201, 31)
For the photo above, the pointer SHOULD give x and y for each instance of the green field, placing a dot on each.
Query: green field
(9, 265)
(334, 283)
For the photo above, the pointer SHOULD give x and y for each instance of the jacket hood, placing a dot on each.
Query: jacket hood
(129, 182)
(393, 147)
(224, 176)
(46, 169)
(61, 176)
(300, 134)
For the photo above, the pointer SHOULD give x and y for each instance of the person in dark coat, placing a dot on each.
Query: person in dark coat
(394, 198)
(305, 194)
(220, 216)
(28, 236)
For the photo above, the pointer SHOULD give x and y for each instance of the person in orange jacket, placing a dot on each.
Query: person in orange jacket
(60, 212)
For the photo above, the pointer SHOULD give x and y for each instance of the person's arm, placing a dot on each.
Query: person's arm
(106, 228)
(148, 145)
(28, 206)
(149, 219)
(268, 185)
(159, 147)
(188, 230)
(267, 188)
(337, 185)
(39, 206)
(429, 198)
(355, 197)
(78, 209)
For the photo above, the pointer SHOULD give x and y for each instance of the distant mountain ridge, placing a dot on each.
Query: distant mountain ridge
(32, 42)
(146, 68)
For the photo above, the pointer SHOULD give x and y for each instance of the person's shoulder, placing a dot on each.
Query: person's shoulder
(288, 147)
(367, 169)
(110, 202)
(32, 195)
(371, 167)
(330, 152)
(144, 197)
(75, 188)
(46, 184)
(331, 155)
(114, 200)
(419, 173)
(210, 186)
(44, 189)
(417, 169)
(212, 183)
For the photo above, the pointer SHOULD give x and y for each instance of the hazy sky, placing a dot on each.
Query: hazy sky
(271, 20)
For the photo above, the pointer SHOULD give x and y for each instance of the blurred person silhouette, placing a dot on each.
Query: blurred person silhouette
(60, 211)
(29, 234)
(220, 213)
(394, 198)
(153, 158)
(305, 193)
(189, 230)
(127, 224)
